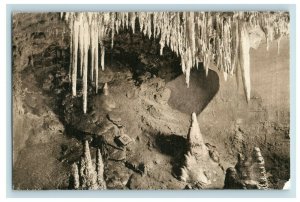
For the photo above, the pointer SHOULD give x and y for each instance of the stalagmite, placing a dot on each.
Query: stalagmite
(248, 173)
(193, 170)
(87, 170)
(195, 139)
(105, 89)
(100, 171)
(262, 174)
(90, 175)
(75, 176)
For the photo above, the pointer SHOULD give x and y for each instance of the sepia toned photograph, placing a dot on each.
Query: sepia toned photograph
(151, 100)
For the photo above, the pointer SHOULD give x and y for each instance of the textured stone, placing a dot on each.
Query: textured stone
(249, 173)
(87, 174)
(117, 154)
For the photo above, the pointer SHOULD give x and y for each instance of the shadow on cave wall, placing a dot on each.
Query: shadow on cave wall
(174, 146)
(201, 91)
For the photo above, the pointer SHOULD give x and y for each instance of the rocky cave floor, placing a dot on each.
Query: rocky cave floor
(141, 103)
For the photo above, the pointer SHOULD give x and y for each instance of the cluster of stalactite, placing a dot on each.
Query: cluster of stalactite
(221, 38)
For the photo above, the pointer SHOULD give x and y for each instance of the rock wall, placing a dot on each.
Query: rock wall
(235, 125)
(270, 90)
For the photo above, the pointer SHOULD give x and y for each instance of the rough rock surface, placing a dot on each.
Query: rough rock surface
(249, 172)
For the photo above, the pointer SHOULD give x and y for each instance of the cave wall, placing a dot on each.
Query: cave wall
(263, 122)
(33, 35)
(270, 92)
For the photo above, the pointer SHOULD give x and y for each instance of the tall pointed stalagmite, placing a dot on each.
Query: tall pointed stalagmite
(100, 171)
(197, 155)
(87, 170)
(105, 89)
(195, 139)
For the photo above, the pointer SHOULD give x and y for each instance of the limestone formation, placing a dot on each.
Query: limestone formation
(207, 37)
(100, 171)
(105, 89)
(74, 178)
(199, 169)
(86, 174)
(249, 172)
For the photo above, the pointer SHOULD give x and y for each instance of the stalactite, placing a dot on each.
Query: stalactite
(85, 66)
(194, 37)
(96, 59)
(81, 35)
(235, 43)
(112, 27)
(102, 57)
(244, 56)
(71, 55)
(92, 48)
(74, 58)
